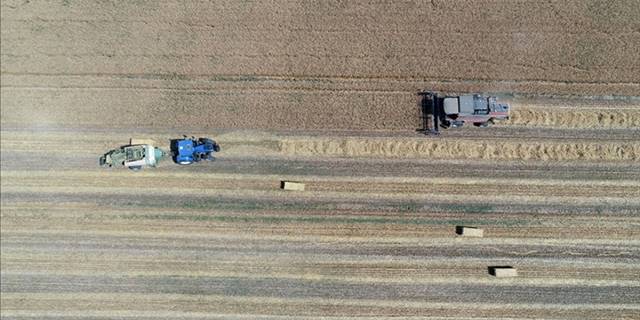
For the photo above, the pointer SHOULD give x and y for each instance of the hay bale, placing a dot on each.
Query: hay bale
(293, 186)
(503, 271)
(469, 231)
(136, 141)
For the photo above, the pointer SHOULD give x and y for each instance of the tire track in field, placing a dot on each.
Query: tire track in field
(319, 185)
(349, 105)
(346, 220)
(592, 150)
(200, 306)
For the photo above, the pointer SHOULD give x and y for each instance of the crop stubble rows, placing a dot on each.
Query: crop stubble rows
(276, 240)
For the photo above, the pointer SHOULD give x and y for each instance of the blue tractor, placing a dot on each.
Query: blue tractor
(190, 150)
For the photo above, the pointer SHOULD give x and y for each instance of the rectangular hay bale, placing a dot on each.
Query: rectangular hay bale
(136, 141)
(503, 271)
(469, 231)
(293, 186)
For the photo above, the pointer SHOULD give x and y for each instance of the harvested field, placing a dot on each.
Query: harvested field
(323, 93)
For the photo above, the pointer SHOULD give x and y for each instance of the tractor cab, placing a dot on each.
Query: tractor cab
(187, 151)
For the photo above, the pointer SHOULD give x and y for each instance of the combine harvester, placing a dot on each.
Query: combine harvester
(141, 153)
(455, 111)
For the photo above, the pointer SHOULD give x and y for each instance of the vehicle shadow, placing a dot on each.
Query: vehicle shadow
(429, 109)
(173, 148)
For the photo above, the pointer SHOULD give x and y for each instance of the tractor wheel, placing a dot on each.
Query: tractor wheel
(135, 168)
(482, 124)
